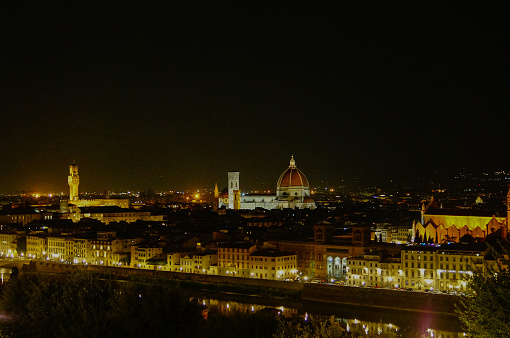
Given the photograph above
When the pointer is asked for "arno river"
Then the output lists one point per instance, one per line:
(375, 322)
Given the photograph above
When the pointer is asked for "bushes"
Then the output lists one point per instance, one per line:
(83, 305)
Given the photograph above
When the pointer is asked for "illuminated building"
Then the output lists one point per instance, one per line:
(233, 258)
(216, 197)
(24, 216)
(73, 180)
(371, 270)
(446, 268)
(326, 256)
(112, 214)
(8, 245)
(141, 253)
(107, 250)
(37, 246)
(234, 190)
(445, 225)
(292, 191)
(60, 248)
(273, 264)
(105, 210)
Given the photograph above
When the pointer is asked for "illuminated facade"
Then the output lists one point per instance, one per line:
(273, 264)
(8, 245)
(74, 181)
(24, 216)
(326, 256)
(418, 268)
(112, 214)
(60, 248)
(36, 247)
(444, 225)
(234, 260)
(141, 253)
(370, 270)
(292, 191)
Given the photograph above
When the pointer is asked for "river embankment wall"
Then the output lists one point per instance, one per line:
(377, 298)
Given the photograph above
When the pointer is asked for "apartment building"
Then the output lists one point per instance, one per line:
(141, 253)
(233, 258)
(37, 247)
(373, 271)
(446, 268)
(273, 264)
(8, 245)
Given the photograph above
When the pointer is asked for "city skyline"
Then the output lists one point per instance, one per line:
(172, 97)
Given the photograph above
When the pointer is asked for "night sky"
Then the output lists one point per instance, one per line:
(172, 97)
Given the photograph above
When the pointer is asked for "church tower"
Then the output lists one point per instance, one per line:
(233, 190)
(216, 199)
(508, 209)
(74, 180)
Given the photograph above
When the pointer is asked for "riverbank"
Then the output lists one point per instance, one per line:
(331, 294)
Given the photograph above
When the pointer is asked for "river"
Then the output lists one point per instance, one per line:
(375, 322)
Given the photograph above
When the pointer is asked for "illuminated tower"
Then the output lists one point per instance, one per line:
(216, 200)
(74, 180)
(507, 210)
(233, 189)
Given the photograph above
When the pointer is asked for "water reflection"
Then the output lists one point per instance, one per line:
(382, 323)
(5, 274)
(226, 307)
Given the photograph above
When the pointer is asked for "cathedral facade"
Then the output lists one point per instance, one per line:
(292, 191)
(439, 225)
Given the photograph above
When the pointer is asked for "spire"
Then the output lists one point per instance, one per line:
(216, 191)
(292, 162)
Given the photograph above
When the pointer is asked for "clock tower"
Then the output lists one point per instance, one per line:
(74, 180)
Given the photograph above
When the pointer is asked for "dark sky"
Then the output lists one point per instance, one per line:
(172, 97)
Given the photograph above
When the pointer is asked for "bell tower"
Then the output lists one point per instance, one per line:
(508, 209)
(74, 180)
(233, 190)
(216, 199)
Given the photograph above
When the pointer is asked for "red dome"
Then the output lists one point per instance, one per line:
(292, 177)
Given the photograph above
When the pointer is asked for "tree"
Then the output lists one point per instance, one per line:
(485, 310)
(83, 305)
(315, 327)
(14, 272)
(417, 236)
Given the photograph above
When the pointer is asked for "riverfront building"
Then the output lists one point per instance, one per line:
(273, 264)
(233, 258)
(445, 268)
